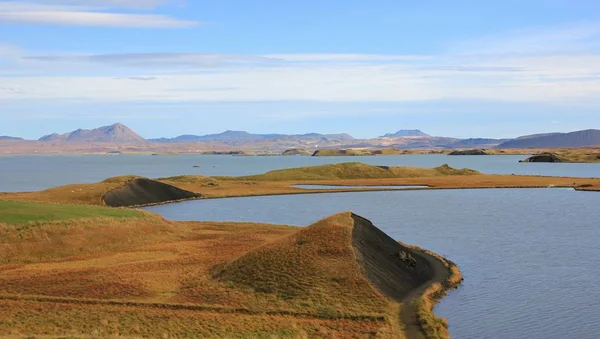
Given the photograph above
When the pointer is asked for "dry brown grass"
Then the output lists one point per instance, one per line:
(232, 188)
(349, 170)
(579, 155)
(150, 277)
(313, 269)
(84, 194)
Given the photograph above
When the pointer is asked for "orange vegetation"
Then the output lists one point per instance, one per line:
(153, 278)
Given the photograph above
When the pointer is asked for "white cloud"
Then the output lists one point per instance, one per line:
(56, 14)
(347, 57)
(158, 60)
(136, 4)
(523, 75)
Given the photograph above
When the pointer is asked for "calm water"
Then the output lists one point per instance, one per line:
(330, 187)
(529, 256)
(29, 173)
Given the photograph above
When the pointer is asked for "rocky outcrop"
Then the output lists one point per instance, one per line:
(469, 152)
(544, 157)
(296, 151)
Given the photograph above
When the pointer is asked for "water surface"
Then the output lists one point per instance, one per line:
(529, 256)
(30, 173)
(335, 187)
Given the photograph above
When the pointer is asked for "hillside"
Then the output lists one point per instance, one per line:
(477, 142)
(585, 138)
(117, 133)
(406, 133)
(345, 263)
(134, 274)
(123, 191)
(7, 138)
(353, 170)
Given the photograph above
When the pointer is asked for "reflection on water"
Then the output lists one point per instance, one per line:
(529, 256)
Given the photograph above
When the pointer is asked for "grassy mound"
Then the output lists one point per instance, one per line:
(343, 262)
(296, 151)
(18, 213)
(353, 170)
(340, 152)
(199, 180)
(142, 191)
(123, 191)
(316, 264)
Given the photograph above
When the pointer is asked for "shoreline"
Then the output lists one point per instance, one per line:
(360, 190)
(419, 312)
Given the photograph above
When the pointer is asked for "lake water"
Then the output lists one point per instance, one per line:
(334, 187)
(529, 256)
(30, 173)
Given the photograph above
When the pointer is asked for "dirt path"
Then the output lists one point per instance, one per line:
(408, 313)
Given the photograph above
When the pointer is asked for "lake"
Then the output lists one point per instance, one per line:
(334, 187)
(31, 173)
(529, 256)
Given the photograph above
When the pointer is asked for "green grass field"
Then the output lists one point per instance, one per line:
(18, 213)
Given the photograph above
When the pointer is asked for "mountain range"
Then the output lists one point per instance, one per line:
(7, 138)
(585, 138)
(243, 136)
(120, 137)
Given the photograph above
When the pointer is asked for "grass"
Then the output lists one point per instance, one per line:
(313, 269)
(152, 278)
(18, 213)
(88, 271)
(351, 170)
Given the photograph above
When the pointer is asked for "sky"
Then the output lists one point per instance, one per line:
(170, 67)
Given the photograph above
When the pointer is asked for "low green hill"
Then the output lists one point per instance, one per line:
(19, 213)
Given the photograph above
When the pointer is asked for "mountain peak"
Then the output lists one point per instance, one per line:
(113, 134)
(406, 133)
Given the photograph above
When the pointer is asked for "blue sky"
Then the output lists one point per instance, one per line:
(164, 68)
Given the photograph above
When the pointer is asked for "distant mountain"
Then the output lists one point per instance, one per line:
(243, 136)
(117, 133)
(590, 137)
(537, 135)
(406, 133)
(477, 143)
(7, 138)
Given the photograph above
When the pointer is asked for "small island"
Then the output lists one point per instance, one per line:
(470, 152)
(561, 156)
